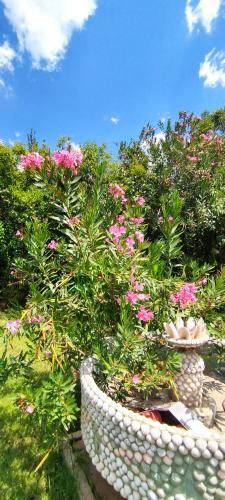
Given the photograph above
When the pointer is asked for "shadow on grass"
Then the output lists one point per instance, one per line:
(20, 454)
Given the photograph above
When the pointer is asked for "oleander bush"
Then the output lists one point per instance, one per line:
(108, 252)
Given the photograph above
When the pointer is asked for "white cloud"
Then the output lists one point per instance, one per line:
(18, 134)
(212, 69)
(204, 13)
(2, 83)
(7, 55)
(44, 27)
(115, 119)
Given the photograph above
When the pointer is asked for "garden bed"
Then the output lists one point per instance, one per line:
(144, 459)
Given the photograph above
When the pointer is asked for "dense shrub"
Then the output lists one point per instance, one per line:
(98, 286)
(20, 201)
(189, 157)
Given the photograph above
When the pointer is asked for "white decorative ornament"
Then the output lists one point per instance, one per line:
(189, 330)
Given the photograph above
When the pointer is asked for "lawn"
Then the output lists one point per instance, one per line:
(20, 450)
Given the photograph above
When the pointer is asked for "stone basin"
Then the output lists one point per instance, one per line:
(144, 459)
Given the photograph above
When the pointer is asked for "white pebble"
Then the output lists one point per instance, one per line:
(177, 440)
(155, 433)
(201, 444)
(135, 425)
(189, 443)
(212, 446)
(195, 452)
(138, 456)
(147, 458)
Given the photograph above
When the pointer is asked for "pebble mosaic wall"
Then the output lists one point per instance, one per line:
(143, 459)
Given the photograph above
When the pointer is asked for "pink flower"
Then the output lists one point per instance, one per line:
(140, 236)
(29, 409)
(13, 326)
(143, 296)
(208, 136)
(32, 160)
(136, 379)
(138, 286)
(131, 297)
(115, 239)
(120, 219)
(144, 315)
(53, 244)
(48, 354)
(170, 218)
(160, 218)
(118, 300)
(137, 220)
(219, 140)
(192, 158)
(19, 233)
(36, 319)
(68, 159)
(130, 243)
(117, 231)
(204, 281)
(140, 200)
(124, 200)
(186, 294)
(116, 190)
(73, 221)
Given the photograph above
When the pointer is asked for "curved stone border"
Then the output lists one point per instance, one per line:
(143, 459)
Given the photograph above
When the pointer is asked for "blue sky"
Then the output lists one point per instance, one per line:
(98, 70)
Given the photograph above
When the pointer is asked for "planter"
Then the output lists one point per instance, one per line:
(144, 459)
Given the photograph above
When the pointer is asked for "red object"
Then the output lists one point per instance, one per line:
(153, 414)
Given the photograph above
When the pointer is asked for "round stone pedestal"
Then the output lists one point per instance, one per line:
(189, 380)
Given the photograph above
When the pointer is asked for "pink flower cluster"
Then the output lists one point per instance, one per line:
(130, 242)
(203, 281)
(133, 297)
(185, 295)
(144, 314)
(117, 232)
(29, 409)
(140, 236)
(140, 200)
(73, 221)
(137, 220)
(135, 379)
(192, 158)
(68, 159)
(53, 245)
(19, 233)
(36, 319)
(208, 136)
(120, 219)
(32, 160)
(138, 287)
(117, 192)
(13, 326)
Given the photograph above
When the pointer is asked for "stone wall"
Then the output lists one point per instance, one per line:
(143, 459)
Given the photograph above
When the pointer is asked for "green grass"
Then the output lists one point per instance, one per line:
(20, 450)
